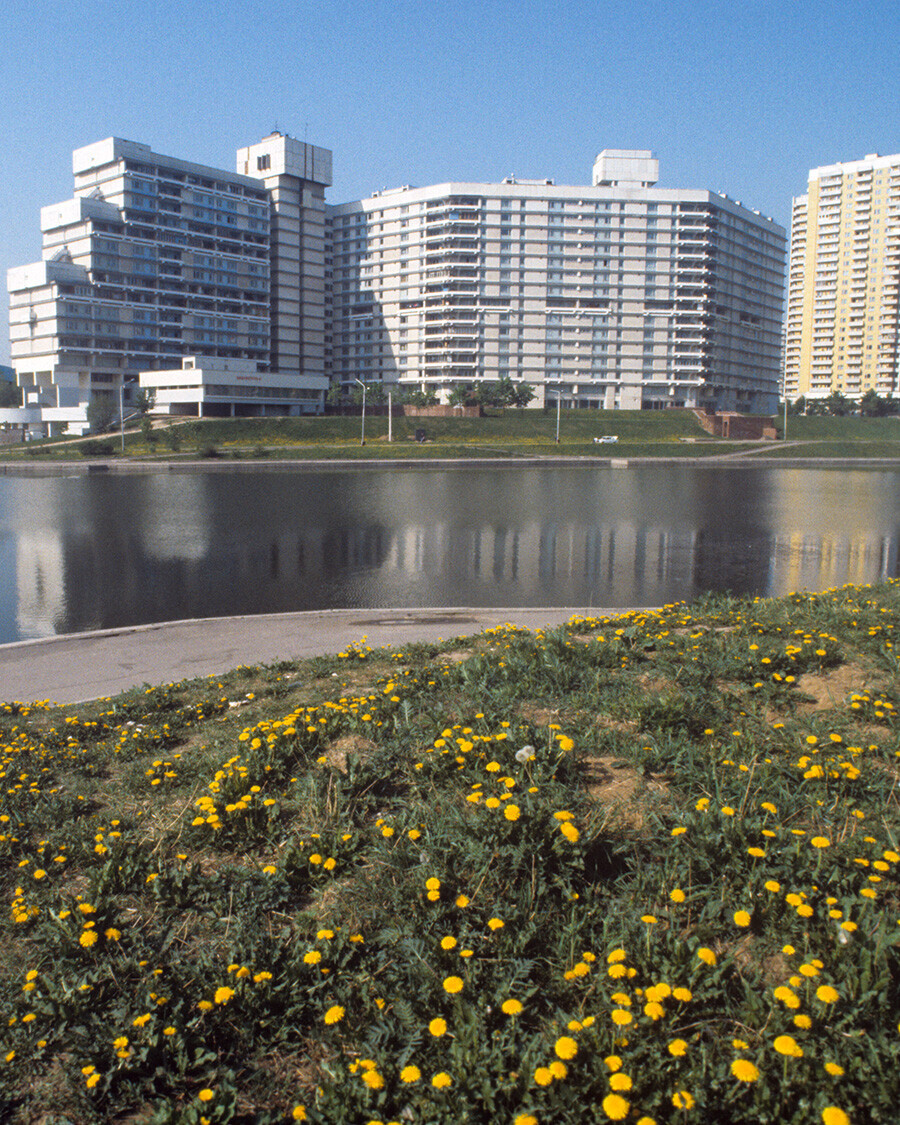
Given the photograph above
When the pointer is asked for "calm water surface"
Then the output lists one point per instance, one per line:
(99, 551)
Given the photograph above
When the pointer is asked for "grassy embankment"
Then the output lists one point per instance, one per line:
(502, 434)
(640, 869)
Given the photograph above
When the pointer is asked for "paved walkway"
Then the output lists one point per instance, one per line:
(81, 666)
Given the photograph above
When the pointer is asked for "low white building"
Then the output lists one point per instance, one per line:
(208, 387)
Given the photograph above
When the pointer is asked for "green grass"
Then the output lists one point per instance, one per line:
(829, 429)
(511, 433)
(642, 868)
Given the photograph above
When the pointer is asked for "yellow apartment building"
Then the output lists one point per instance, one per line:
(843, 282)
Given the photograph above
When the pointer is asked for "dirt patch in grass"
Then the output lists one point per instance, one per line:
(336, 752)
(458, 657)
(831, 689)
(620, 788)
(624, 726)
(538, 715)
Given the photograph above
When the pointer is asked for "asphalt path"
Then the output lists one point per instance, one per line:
(82, 666)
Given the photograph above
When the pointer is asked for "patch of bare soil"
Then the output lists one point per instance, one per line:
(625, 726)
(538, 715)
(457, 657)
(336, 752)
(655, 685)
(832, 688)
(773, 968)
(620, 787)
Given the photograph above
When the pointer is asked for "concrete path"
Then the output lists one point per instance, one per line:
(82, 666)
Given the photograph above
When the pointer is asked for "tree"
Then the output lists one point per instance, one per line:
(102, 413)
(872, 406)
(461, 395)
(374, 392)
(144, 401)
(522, 395)
(10, 394)
(798, 406)
(416, 397)
(837, 405)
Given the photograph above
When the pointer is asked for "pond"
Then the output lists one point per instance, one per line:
(94, 550)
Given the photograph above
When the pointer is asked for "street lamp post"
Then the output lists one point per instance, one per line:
(362, 440)
(122, 411)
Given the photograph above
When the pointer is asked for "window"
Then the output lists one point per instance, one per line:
(263, 163)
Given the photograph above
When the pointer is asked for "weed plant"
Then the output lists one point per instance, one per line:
(641, 868)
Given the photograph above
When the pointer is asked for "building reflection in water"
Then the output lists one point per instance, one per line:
(104, 551)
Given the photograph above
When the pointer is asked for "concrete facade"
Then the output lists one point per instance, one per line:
(617, 295)
(841, 332)
(154, 258)
(209, 387)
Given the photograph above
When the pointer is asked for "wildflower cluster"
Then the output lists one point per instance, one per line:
(644, 867)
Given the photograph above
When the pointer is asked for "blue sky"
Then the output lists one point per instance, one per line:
(743, 97)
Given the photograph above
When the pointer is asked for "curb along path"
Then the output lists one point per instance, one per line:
(81, 666)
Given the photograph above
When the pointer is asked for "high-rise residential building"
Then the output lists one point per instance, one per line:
(159, 265)
(844, 282)
(614, 295)
(244, 292)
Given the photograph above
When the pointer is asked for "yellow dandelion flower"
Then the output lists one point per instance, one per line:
(565, 1047)
(787, 1045)
(706, 955)
(438, 1027)
(616, 1107)
(511, 1007)
(741, 918)
(677, 1048)
(410, 1074)
(543, 1076)
(206, 1095)
(334, 1014)
(453, 985)
(833, 1115)
(744, 1070)
(827, 994)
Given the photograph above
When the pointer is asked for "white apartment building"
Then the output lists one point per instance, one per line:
(618, 295)
(155, 259)
(844, 282)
